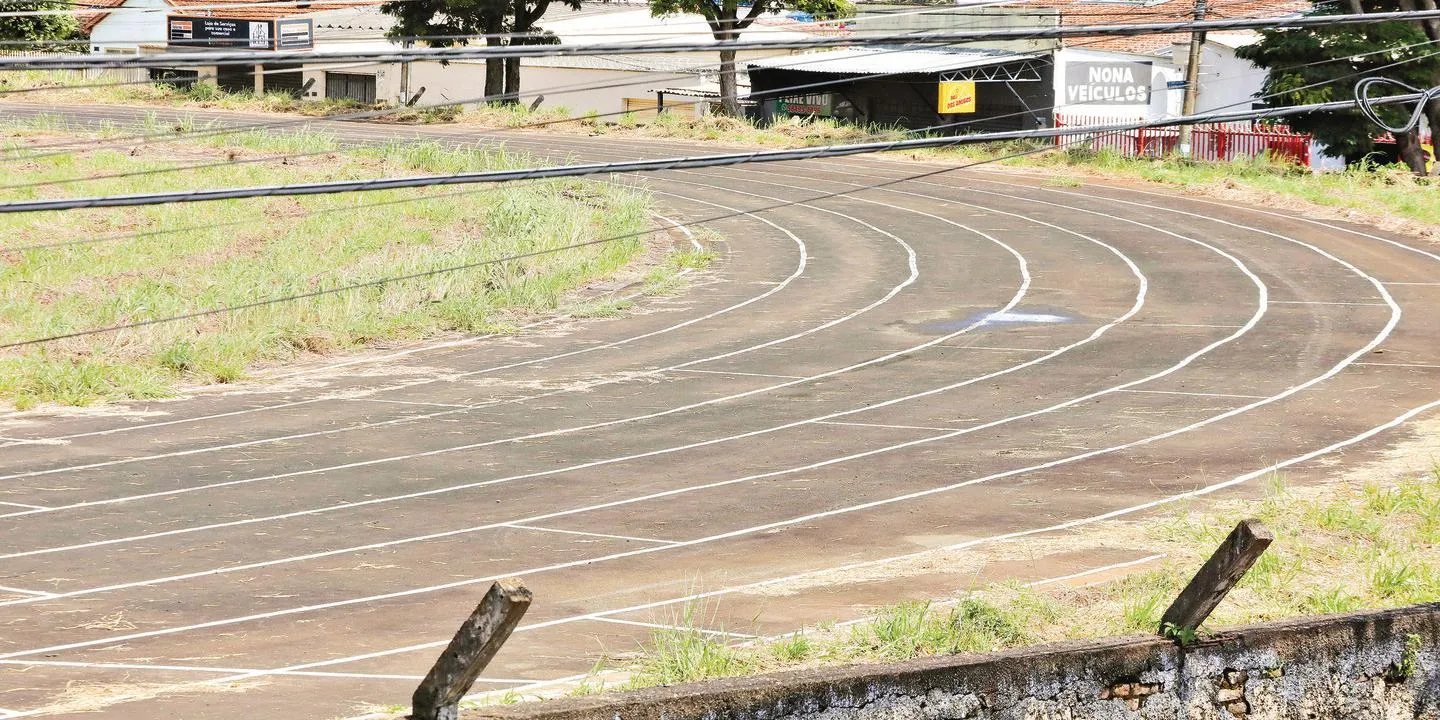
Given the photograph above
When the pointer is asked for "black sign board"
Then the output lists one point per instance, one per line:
(1108, 83)
(210, 32)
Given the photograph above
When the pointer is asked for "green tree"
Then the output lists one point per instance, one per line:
(39, 28)
(1323, 65)
(452, 22)
(726, 23)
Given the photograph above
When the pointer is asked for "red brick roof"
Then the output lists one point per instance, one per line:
(243, 10)
(1090, 12)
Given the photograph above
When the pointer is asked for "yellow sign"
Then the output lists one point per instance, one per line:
(957, 97)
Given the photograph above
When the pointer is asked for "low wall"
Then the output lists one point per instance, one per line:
(1381, 665)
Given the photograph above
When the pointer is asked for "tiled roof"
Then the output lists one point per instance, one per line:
(241, 10)
(90, 20)
(1090, 12)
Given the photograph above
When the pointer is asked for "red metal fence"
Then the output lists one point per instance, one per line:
(1213, 141)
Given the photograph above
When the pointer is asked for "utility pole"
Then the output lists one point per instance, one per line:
(405, 75)
(1192, 79)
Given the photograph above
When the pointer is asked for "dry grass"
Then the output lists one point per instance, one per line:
(163, 261)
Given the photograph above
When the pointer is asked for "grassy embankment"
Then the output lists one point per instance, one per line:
(1385, 196)
(128, 265)
(1339, 547)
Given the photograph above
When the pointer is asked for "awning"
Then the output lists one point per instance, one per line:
(890, 61)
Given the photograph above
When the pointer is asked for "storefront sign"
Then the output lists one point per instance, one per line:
(212, 32)
(818, 104)
(1107, 83)
(957, 97)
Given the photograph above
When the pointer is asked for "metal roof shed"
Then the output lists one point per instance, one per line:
(903, 85)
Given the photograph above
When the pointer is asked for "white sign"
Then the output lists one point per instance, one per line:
(1108, 83)
(260, 35)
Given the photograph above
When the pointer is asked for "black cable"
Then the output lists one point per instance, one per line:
(468, 266)
(172, 60)
(691, 162)
(1365, 101)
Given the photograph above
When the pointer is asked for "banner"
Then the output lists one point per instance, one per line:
(1108, 83)
(957, 97)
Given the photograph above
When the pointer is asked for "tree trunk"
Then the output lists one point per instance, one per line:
(729, 90)
(512, 81)
(494, 74)
(1410, 152)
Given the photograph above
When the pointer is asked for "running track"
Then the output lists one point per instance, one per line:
(941, 362)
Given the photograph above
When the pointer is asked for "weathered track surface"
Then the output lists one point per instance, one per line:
(825, 396)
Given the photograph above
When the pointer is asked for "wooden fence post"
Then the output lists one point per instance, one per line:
(1241, 548)
(438, 697)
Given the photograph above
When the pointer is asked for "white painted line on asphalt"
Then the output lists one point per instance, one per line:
(1096, 571)
(1068, 525)
(799, 271)
(676, 628)
(537, 528)
(1320, 302)
(19, 591)
(878, 425)
(997, 349)
(22, 505)
(1184, 325)
(1201, 394)
(746, 374)
(216, 670)
(1427, 284)
(1413, 365)
(776, 287)
(412, 402)
(914, 274)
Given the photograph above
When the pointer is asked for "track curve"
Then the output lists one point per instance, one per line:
(869, 373)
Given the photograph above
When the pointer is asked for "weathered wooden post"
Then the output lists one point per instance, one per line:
(1216, 577)
(438, 697)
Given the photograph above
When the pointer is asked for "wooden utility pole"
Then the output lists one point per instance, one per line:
(1241, 548)
(1192, 79)
(438, 697)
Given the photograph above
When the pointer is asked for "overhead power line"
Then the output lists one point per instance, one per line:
(203, 59)
(692, 162)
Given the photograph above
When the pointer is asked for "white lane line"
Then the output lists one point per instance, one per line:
(22, 505)
(798, 272)
(411, 402)
(1201, 394)
(1015, 299)
(878, 425)
(676, 628)
(749, 587)
(1381, 364)
(8, 441)
(19, 591)
(746, 374)
(519, 526)
(1295, 389)
(1321, 302)
(1259, 313)
(1427, 284)
(997, 349)
(1184, 325)
(914, 274)
(409, 384)
(215, 670)
(1097, 570)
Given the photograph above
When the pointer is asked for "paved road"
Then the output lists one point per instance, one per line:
(825, 397)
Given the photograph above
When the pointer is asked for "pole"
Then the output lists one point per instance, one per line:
(405, 76)
(1192, 79)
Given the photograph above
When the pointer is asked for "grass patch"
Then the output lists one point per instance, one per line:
(1339, 548)
(174, 259)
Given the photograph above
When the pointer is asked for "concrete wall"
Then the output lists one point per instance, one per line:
(130, 29)
(1374, 666)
